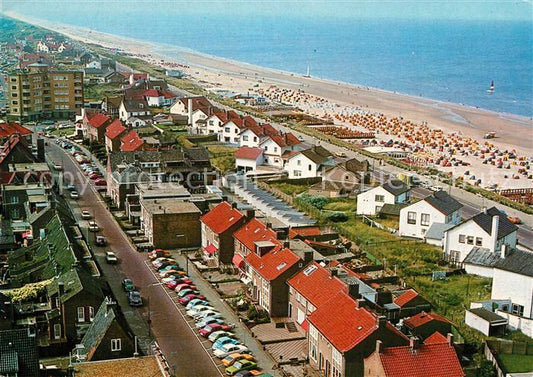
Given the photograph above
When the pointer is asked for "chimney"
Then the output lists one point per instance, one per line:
(414, 343)
(286, 244)
(109, 305)
(61, 288)
(308, 257)
(234, 205)
(360, 303)
(189, 110)
(333, 272)
(379, 346)
(250, 214)
(503, 251)
(494, 231)
(382, 321)
(485, 210)
(450, 339)
(269, 225)
(353, 290)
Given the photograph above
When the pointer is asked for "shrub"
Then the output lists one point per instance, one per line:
(337, 217)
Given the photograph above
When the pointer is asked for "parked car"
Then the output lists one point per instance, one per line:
(208, 321)
(207, 314)
(100, 182)
(224, 340)
(127, 284)
(111, 257)
(158, 263)
(228, 349)
(196, 302)
(94, 176)
(198, 309)
(185, 300)
(158, 253)
(209, 329)
(230, 359)
(134, 298)
(58, 167)
(182, 286)
(239, 366)
(186, 292)
(173, 277)
(71, 187)
(436, 188)
(74, 195)
(173, 272)
(514, 219)
(100, 241)
(93, 226)
(218, 334)
(167, 267)
(85, 215)
(175, 283)
(252, 373)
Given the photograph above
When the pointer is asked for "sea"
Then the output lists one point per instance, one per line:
(446, 60)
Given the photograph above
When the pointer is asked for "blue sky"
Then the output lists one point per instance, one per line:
(451, 9)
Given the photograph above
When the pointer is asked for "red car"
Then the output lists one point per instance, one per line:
(94, 176)
(207, 330)
(185, 300)
(173, 284)
(158, 253)
(100, 182)
(181, 286)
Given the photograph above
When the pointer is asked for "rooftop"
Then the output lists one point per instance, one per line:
(484, 220)
(272, 264)
(443, 202)
(255, 231)
(421, 319)
(221, 217)
(396, 187)
(132, 367)
(248, 153)
(154, 190)
(169, 206)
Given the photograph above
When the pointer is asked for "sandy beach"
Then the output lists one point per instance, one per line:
(462, 126)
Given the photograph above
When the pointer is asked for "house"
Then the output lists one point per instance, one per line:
(411, 303)
(133, 108)
(131, 142)
(106, 338)
(171, 223)
(196, 109)
(393, 192)
(18, 353)
(140, 121)
(269, 273)
(16, 150)
(423, 324)
(279, 147)
(122, 181)
(438, 208)
(255, 237)
(111, 105)
(159, 98)
(94, 126)
(309, 162)
(489, 229)
(113, 134)
(9, 129)
(435, 233)
(348, 175)
(342, 334)
(248, 159)
(436, 357)
(131, 367)
(218, 226)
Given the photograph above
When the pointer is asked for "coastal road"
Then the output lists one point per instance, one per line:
(179, 344)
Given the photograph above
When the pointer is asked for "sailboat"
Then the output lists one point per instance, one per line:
(491, 88)
(308, 74)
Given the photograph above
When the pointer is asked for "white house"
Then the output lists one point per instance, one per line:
(42, 47)
(248, 159)
(308, 163)
(158, 98)
(214, 123)
(230, 131)
(394, 192)
(489, 229)
(197, 110)
(132, 108)
(95, 64)
(417, 218)
(250, 137)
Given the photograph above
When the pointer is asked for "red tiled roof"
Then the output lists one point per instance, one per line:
(248, 121)
(405, 297)
(248, 153)
(255, 231)
(343, 323)
(318, 286)
(168, 94)
(198, 103)
(131, 142)
(221, 218)
(308, 231)
(435, 360)
(97, 120)
(151, 93)
(114, 129)
(222, 116)
(8, 129)
(269, 130)
(279, 140)
(272, 264)
(423, 318)
(436, 338)
(290, 139)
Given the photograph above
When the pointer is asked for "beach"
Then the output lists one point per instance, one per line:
(441, 128)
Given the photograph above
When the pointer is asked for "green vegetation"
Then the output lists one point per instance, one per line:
(97, 92)
(222, 157)
(515, 363)
(290, 188)
(28, 292)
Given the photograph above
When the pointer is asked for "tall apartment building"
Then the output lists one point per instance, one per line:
(39, 92)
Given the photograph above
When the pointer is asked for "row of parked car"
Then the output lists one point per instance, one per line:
(236, 357)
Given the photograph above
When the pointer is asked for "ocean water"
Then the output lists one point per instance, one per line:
(446, 60)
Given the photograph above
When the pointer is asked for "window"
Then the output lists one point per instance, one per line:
(470, 240)
(411, 217)
(91, 313)
(462, 238)
(297, 173)
(275, 149)
(299, 162)
(116, 344)
(518, 310)
(227, 129)
(14, 200)
(244, 137)
(81, 314)
(479, 241)
(309, 167)
(379, 198)
(57, 331)
(424, 219)
(312, 352)
(15, 214)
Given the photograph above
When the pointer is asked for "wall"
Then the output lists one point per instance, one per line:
(451, 239)
(478, 270)
(477, 323)
(418, 230)
(366, 204)
(167, 227)
(515, 287)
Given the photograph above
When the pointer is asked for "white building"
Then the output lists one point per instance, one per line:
(197, 110)
(248, 159)
(394, 192)
(250, 137)
(439, 208)
(308, 163)
(489, 229)
(130, 108)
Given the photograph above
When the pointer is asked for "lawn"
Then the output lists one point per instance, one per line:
(290, 188)
(516, 363)
(98, 91)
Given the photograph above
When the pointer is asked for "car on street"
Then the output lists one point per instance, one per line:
(239, 366)
(182, 286)
(158, 253)
(207, 314)
(167, 267)
(159, 262)
(436, 188)
(218, 334)
(228, 349)
(174, 283)
(196, 302)
(100, 241)
(208, 321)
(127, 284)
(252, 373)
(173, 277)
(209, 329)
(71, 187)
(173, 273)
(198, 309)
(111, 257)
(185, 300)
(134, 298)
(186, 292)
(93, 226)
(94, 176)
(85, 215)
(224, 340)
(514, 219)
(230, 359)
(74, 195)
(100, 182)
(58, 167)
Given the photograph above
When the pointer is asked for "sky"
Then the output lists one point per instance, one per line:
(521, 10)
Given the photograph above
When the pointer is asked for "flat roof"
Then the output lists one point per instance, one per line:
(132, 367)
(169, 206)
(162, 190)
(35, 166)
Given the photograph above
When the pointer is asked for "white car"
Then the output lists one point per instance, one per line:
(436, 188)
(85, 215)
(74, 195)
(205, 314)
(219, 334)
(198, 309)
(228, 349)
(93, 226)
(111, 257)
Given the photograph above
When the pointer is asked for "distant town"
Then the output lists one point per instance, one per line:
(152, 227)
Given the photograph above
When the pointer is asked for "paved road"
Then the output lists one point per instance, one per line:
(178, 343)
